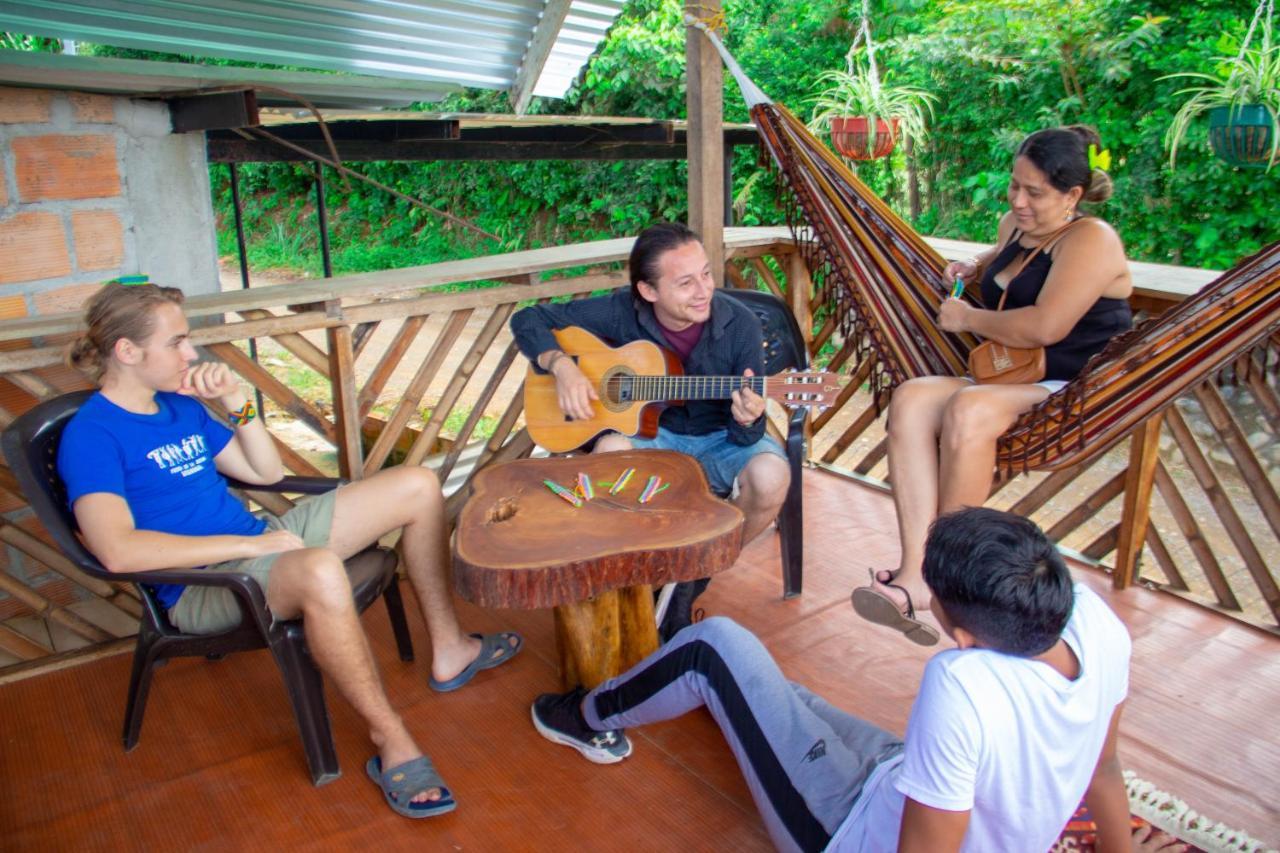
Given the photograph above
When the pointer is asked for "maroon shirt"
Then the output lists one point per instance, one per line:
(683, 342)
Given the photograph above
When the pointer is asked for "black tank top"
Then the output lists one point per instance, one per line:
(1064, 360)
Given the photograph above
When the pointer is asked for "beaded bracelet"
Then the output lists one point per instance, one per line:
(242, 416)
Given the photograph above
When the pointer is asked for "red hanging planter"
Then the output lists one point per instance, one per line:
(850, 135)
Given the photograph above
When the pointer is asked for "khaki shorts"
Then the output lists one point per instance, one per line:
(210, 609)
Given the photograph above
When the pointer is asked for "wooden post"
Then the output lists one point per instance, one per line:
(346, 405)
(799, 286)
(705, 100)
(1144, 453)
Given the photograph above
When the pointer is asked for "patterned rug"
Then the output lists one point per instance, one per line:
(1153, 807)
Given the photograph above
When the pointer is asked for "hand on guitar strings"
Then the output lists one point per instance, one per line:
(574, 390)
(747, 405)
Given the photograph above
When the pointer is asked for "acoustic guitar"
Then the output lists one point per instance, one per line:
(636, 381)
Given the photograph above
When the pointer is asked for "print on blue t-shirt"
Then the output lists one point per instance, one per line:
(161, 464)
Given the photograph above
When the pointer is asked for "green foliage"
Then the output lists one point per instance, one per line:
(1249, 77)
(1000, 69)
(32, 44)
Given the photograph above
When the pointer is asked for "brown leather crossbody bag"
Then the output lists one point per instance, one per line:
(994, 363)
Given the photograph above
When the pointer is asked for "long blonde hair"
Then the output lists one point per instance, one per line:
(114, 312)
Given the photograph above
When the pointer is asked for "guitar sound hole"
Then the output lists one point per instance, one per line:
(617, 392)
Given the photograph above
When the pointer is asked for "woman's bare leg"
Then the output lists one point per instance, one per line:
(914, 424)
(960, 465)
(976, 418)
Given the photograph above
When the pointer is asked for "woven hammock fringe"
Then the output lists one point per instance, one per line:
(1167, 812)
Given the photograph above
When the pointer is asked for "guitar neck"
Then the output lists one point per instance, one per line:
(655, 388)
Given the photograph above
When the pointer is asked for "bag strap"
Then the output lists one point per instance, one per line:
(1046, 243)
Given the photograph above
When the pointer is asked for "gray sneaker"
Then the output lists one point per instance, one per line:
(558, 718)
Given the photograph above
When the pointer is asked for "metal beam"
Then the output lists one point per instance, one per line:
(213, 112)
(535, 58)
(426, 141)
(262, 151)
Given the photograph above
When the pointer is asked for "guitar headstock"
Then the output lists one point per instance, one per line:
(813, 389)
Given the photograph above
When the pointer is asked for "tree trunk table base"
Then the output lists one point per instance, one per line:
(605, 635)
(520, 545)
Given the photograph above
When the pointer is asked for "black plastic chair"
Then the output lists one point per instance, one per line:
(31, 448)
(784, 349)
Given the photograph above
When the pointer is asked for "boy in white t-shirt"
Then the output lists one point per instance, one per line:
(1008, 732)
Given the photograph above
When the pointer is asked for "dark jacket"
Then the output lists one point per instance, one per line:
(731, 343)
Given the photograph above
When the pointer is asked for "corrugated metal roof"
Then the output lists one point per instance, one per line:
(139, 78)
(481, 43)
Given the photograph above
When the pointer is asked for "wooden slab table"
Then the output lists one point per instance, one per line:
(519, 545)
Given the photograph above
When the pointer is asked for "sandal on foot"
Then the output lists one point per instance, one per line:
(495, 650)
(874, 606)
(405, 781)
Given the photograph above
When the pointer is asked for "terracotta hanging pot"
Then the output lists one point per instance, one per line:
(850, 135)
(1241, 135)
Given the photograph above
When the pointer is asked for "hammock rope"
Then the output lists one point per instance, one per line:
(888, 286)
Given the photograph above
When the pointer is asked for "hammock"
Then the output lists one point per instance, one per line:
(888, 285)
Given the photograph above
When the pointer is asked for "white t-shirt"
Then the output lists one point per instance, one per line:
(1006, 738)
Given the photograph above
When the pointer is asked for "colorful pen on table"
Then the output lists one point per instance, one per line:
(957, 289)
(621, 483)
(563, 493)
(585, 490)
(650, 489)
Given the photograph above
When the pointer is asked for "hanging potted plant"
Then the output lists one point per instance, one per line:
(867, 114)
(1242, 100)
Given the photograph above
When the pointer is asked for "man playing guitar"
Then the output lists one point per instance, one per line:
(673, 302)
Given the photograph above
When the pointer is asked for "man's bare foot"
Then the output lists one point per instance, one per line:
(448, 662)
(396, 750)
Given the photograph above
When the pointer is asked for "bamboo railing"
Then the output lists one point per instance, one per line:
(331, 351)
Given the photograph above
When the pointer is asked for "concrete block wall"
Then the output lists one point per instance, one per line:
(92, 187)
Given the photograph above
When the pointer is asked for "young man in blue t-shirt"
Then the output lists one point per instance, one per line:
(143, 462)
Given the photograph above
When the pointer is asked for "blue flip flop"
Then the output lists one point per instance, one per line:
(405, 781)
(495, 650)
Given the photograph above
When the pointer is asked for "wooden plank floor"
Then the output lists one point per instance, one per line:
(219, 766)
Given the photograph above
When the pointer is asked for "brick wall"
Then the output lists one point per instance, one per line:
(92, 187)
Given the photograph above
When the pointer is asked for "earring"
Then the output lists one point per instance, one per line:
(1070, 213)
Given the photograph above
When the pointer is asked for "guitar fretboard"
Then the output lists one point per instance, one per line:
(628, 389)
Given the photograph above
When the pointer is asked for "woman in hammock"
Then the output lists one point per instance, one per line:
(1070, 298)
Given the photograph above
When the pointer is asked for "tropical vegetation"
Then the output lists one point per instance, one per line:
(998, 70)
(1246, 83)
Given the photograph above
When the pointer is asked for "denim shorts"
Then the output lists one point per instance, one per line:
(210, 609)
(720, 458)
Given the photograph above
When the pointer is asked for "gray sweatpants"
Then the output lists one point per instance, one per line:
(804, 760)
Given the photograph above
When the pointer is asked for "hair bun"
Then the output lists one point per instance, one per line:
(83, 355)
(1099, 189)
